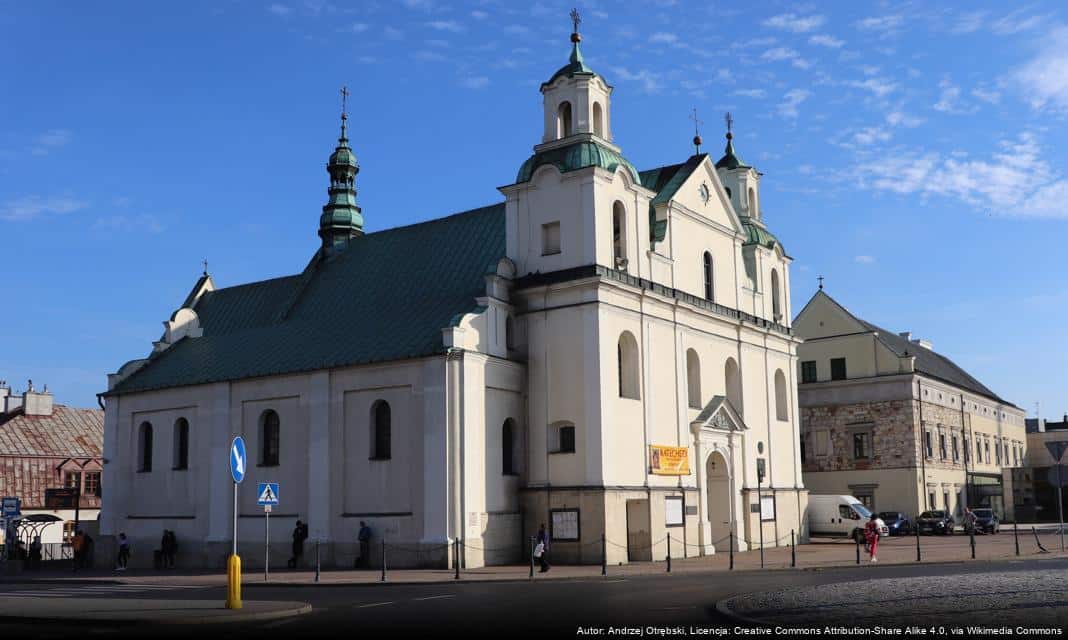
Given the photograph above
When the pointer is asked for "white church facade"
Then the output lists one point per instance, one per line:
(606, 351)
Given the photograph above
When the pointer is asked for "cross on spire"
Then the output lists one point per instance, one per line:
(344, 115)
(730, 124)
(576, 20)
(696, 131)
(821, 282)
(205, 266)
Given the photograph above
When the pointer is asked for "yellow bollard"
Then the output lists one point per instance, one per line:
(233, 582)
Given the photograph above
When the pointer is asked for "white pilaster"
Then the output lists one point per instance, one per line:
(223, 426)
(318, 400)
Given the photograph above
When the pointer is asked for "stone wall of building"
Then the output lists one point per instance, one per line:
(893, 435)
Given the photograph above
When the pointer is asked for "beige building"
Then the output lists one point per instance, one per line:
(889, 420)
(606, 351)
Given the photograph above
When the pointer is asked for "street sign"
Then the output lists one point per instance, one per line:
(1057, 448)
(268, 493)
(1058, 480)
(12, 507)
(62, 498)
(266, 508)
(238, 459)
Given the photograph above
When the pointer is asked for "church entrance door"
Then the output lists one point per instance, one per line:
(639, 535)
(718, 496)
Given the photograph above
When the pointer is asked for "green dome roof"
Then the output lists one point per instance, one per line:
(343, 155)
(756, 234)
(730, 159)
(578, 155)
(574, 66)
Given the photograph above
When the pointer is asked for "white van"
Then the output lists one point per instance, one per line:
(838, 516)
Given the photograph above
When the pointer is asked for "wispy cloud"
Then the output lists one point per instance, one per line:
(649, 81)
(901, 119)
(144, 222)
(881, 87)
(1044, 79)
(968, 22)
(663, 38)
(864, 259)
(475, 82)
(30, 207)
(795, 23)
(1016, 22)
(779, 54)
(421, 5)
(392, 33)
(479, 15)
(50, 141)
(428, 56)
(280, 9)
(1015, 181)
(792, 99)
(949, 100)
(886, 25)
(356, 27)
(987, 95)
(824, 40)
(446, 25)
(749, 93)
(871, 135)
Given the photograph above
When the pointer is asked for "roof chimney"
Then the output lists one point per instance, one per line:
(926, 344)
(906, 335)
(36, 403)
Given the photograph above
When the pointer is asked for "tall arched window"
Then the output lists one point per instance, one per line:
(381, 428)
(733, 378)
(752, 202)
(563, 119)
(709, 289)
(598, 120)
(628, 366)
(270, 439)
(181, 444)
(509, 448)
(144, 447)
(693, 378)
(776, 306)
(619, 235)
(782, 411)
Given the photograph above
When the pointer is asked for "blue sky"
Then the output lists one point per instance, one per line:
(914, 153)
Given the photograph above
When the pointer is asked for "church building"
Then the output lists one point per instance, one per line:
(606, 351)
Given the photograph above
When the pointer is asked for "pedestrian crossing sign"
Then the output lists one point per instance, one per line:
(268, 493)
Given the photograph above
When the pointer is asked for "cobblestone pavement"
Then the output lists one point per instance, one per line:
(1037, 598)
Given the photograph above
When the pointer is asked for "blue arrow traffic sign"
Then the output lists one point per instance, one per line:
(238, 459)
(268, 493)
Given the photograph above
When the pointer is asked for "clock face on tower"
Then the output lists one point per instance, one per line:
(705, 193)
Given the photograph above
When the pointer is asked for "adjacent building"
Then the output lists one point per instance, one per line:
(50, 458)
(1034, 487)
(605, 350)
(888, 419)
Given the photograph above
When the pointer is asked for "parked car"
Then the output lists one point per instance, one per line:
(986, 521)
(897, 523)
(933, 522)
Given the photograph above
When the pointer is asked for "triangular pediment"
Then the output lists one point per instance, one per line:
(719, 415)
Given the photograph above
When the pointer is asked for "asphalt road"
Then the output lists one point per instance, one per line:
(543, 608)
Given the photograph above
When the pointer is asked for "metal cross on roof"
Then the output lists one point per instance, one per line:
(576, 20)
(205, 266)
(730, 121)
(821, 282)
(344, 101)
(696, 131)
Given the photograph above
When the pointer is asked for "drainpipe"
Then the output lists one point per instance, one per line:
(923, 443)
(967, 455)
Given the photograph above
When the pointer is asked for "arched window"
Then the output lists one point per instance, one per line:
(693, 378)
(733, 378)
(619, 235)
(709, 289)
(753, 202)
(270, 438)
(181, 444)
(144, 447)
(782, 411)
(381, 427)
(628, 366)
(509, 448)
(563, 120)
(776, 306)
(598, 120)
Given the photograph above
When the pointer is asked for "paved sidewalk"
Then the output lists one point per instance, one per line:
(152, 611)
(819, 554)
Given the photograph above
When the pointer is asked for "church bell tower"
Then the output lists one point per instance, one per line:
(342, 219)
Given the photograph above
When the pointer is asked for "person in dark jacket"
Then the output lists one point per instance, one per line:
(168, 548)
(543, 541)
(364, 537)
(300, 534)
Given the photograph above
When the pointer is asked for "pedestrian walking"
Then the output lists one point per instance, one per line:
(871, 534)
(541, 549)
(168, 548)
(124, 553)
(78, 546)
(35, 553)
(300, 534)
(364, 537)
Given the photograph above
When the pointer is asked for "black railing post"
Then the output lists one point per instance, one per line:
(383, 560)
(1037, 541)
(1016, 537)
(918, 558)
(456, 557)
(669, 553)
(604, 556)
(793, 549)
(317, 566)
(971, 541)
(857, 541)
(731, 536)
(532, 557)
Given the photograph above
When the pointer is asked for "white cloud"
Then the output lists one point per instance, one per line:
(357, 27)
(791, 100)
(987, 95)
(422, 5)
(663, 38)
(900, 118)
(779, 53)
(49, 141)
(1015, 181)
(886, 24)
(279, 9)
(969, 22)
(1044, 79)
(29, 207)
(475, 82)
(144, 222)
(392, 33)
(428, 56)
(949, 101)
(824, 40)
(881, 87)
(1014, 22)
(871, 135)
(864, 259)
(517, 29)
(446, 25)
(749, 93)
(479, 15)
(795, 23)
(649, 81)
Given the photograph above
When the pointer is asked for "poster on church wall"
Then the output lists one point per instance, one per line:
(669, 461)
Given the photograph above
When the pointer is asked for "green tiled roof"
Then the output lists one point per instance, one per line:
(386, 297)
(730, 159)
(579, 155)
(756, 234)
(575, 65)
(665, 181)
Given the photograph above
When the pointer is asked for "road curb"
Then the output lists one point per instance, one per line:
(192, 619)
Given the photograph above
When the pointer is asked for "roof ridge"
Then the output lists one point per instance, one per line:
(433, 220)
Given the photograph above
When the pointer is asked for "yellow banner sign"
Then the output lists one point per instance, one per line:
(669, 461)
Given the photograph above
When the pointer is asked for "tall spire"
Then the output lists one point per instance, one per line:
(342, 219)
(696, 132)
(730, 159)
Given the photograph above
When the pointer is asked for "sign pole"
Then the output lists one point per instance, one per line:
(267, 543)
(233, 564)
(1060, 506)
